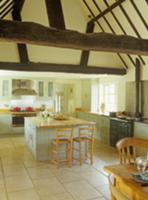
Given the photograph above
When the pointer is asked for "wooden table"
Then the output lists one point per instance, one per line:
(125, 183)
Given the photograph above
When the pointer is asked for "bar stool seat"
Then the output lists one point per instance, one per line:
(85, 136)
(64, 136)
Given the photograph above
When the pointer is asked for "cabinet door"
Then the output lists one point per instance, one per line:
(50, 89)
(41, 88)
(114, 131)
(5, 88)
(5, 124)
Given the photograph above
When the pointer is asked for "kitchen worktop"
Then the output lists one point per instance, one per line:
(40, 122)
(40, 132)
(8, 111)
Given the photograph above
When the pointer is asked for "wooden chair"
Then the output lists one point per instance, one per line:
(64, 136)
(129, 148)
(85, 136)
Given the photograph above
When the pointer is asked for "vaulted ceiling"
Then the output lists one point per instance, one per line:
(120, 17)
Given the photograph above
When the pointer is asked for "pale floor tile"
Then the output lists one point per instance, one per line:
(26, 179)
(104, 190)
(49, 186)
(38, 173)
(81, 190)
(24, 195)
(15, 183)
(3, 195)
(63, 196)
(30, 163)
(14, 170)
(18, 141)
(68, 176)
(95, 178)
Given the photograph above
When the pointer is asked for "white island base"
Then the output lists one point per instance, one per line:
(40, 132)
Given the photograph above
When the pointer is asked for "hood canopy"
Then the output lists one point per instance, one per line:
(23, 91)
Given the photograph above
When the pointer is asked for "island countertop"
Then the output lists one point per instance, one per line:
(40, 122)
(39, 133)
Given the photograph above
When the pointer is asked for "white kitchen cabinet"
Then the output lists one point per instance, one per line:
(5, 91)
(5, 124)
(50, 89)
(41, 88)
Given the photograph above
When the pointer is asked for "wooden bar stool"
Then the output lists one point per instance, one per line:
(86, 137)
(64, 136)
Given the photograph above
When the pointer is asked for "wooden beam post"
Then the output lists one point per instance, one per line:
(137, 80)
(18, 5)
(85, 54)
(22, 49)
(55, 14)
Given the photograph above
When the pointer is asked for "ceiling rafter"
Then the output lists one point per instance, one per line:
(139, 13)
(107, 10)
(101, 27)
(6, 7)
(121, 27)
(110, 27)
(132, 25)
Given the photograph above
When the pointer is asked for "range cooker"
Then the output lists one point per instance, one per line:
(18, 118)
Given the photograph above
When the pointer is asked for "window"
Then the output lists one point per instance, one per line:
(108, 98)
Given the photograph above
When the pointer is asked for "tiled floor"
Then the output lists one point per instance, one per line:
(22, 178)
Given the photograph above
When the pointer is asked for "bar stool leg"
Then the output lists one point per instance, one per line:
(70, 154)
(85, 150)
(51, 156)
(67, 148)
(91, 152)
(80, 153)
(57, 154)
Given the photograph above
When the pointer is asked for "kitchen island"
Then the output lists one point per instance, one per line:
(39, 132)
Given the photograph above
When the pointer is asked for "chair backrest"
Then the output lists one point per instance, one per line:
(64, 133)
(87, 131)
(129, 148)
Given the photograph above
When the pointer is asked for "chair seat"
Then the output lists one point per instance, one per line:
(81, 139)
(61, 140)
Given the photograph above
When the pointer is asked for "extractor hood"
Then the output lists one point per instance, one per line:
(22, 87)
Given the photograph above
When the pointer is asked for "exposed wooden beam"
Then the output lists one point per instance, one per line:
(92, 15)
(101, 27)
(64, 68)
(107, 10)
(132, 25)
(22, 49)
(5, 8)
(19, 5)
(4, 4)
(121, 27)
(33, 33)
(139, 14)
(55, 14)
(85, 54)
(110, 27)
(137, 80)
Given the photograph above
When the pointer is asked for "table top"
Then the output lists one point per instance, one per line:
(124, 173)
